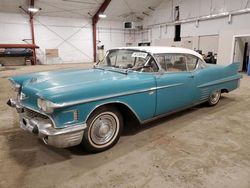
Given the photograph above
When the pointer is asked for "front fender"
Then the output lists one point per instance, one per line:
(141, 104)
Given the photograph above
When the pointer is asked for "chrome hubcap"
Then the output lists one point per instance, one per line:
(103, 128)
(215, 97)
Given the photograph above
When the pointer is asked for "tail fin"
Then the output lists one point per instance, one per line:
(234, 67)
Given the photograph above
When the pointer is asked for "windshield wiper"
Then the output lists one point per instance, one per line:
(119, 71)
(96, 67)
(113, 70)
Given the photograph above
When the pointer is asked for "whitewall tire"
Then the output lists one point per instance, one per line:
(214, 98)
(103, 131)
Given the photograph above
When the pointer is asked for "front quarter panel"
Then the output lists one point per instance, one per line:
(138, 95)
(136, 103)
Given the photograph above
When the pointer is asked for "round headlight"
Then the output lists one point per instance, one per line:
(39, 103)
(16, 87)
(45, 106)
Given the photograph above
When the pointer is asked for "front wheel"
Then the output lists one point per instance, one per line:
(103, 130)
(214, 98)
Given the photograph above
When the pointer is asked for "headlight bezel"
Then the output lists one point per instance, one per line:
(15, 86)
(45, 105)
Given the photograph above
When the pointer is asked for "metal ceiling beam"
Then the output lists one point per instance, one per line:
(32, 4)
(95, 19)
(32, 46)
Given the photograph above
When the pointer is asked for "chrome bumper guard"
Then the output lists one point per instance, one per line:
(43, 128)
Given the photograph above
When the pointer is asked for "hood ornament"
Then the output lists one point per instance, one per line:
(33, 80)
(37, 80)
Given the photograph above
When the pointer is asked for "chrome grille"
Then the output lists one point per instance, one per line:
(32, 114)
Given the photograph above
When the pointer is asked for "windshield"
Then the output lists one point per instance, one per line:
(129, 60)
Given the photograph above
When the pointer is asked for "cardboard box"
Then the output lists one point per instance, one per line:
(51, 53)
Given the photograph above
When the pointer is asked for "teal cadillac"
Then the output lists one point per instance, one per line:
(88, 107)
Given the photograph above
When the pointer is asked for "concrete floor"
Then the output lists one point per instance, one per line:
(199, 147)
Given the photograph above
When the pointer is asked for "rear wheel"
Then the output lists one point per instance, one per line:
(103, 130)
(214, 98)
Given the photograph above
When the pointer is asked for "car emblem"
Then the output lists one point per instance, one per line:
(151, 92)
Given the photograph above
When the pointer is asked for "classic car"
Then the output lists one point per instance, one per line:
(88, 107)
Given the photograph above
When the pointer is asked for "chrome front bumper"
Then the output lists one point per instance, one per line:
(43, 128)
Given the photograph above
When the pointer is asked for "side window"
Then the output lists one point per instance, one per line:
(152, 64)
(172, 62)
(191, 62)
(161, 60)
(175, 63)
(112, 58)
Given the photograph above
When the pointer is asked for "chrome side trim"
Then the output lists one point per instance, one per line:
(56, 105)
(172, 112)
(220, 81)
(168, 86)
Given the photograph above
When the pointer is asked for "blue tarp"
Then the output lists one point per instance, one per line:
(248, 67)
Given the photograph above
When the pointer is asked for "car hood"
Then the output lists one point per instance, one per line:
(72, 85)
(58, 81)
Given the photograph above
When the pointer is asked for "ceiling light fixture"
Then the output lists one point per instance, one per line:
(33, 9)
(102, 15)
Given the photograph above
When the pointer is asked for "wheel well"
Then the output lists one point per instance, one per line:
(126, 112)
(224, 91)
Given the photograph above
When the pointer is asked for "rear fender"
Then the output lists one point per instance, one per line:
(233, 68)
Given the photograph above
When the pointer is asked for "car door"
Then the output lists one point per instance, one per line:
(176, 86)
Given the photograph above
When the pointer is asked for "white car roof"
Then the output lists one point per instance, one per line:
(162, 50)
